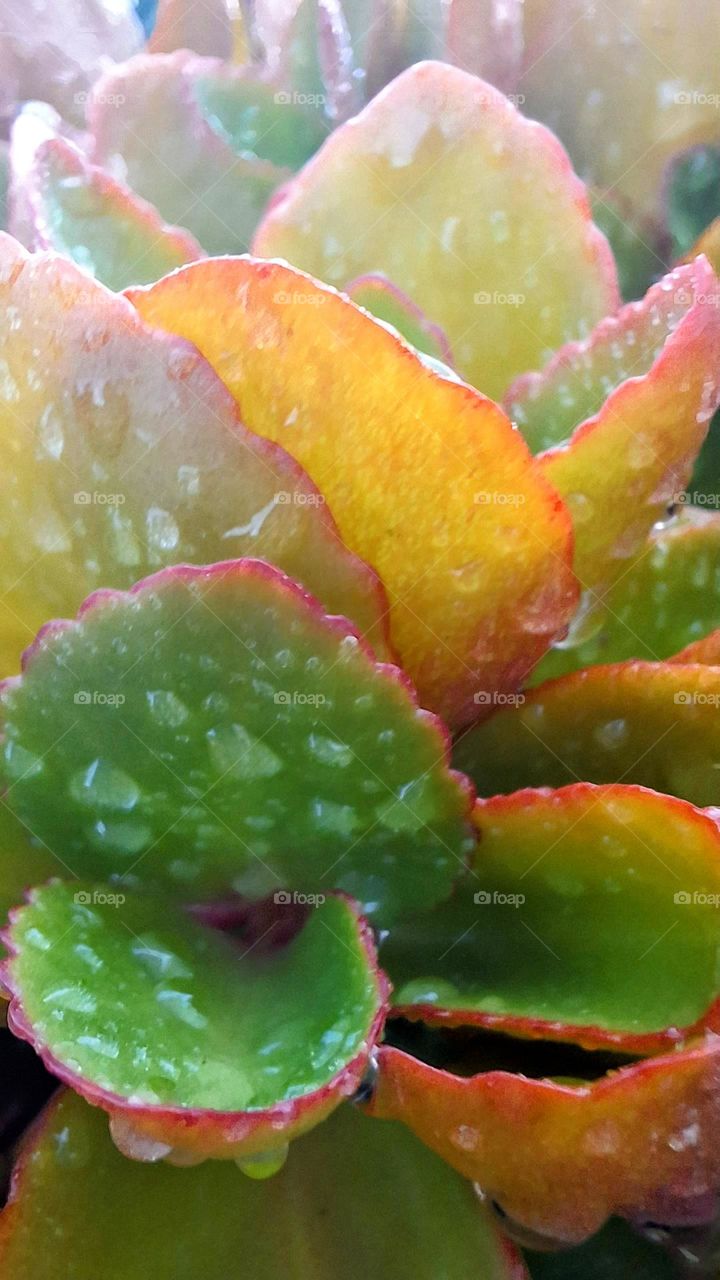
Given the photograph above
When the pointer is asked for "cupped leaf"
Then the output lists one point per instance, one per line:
(652, 723)
(706, 650)
(122, 452)
(388, 303)
(427, 480)
(561, 1158)
(472, 211)
(207, 144)
(590, 916)
(643, 409)
(672, 320)
(667, 598)
(61, 201)
(346, 1204)
(192, 1043)
(627, 91)
(213, 730)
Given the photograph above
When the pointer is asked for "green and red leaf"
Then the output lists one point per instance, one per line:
(60, 201)
(359, 1184)
(622, 416)
(656, 724)
(205, 143)
(590, 916)
(213, 731)
(196, 1046)
(560, 1158)
(471, 210)
(667, 598)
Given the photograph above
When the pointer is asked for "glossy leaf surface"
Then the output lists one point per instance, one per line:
(656, 724)
(212, 730)
(189, 1040)
(122, 452)
(425, 477)
(346, 1204)
(206, 144)
(590, 916)
(559, 1157)
(471, 210)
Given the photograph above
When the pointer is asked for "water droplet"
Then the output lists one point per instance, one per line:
(162, 531)
(329, 751)
(72, 998)
(611, 735)
(121, 837)
(103, 786)
(135, 1145)
(265, 1164)
(158, 960)
(99, 1044)
(235, 751)
(20, 763)
(166, 708)
(180, 1005)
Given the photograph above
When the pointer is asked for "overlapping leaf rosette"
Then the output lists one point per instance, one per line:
(318, 592)
(197, 119)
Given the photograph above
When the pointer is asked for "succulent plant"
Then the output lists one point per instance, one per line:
(361, 642)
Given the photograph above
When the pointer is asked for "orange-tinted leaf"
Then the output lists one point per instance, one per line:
(561, 1158)
(666, 598)
(425, 477)
(472, 211)
(706, 650)
(651, 723)
(625, 414)
(589, 916)
(122, 452)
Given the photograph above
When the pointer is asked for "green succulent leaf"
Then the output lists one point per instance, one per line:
(651, 723)
(206, 143)
(357, 1198)
(212, 730)
(63, 202)
(666, 598)
(190, 1039)
(589, 916)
